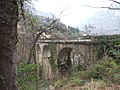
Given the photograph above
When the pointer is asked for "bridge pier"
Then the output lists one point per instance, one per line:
(43, 54)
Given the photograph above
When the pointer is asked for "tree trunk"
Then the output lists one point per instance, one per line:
(8, 40)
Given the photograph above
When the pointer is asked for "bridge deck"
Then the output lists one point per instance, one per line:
(87, 41)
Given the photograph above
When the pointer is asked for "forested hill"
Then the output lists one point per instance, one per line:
(61, 31)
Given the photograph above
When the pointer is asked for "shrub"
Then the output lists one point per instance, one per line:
(81, 67)
(95, 72)
(106, 70)
(116, 78)
(26, 76)
(77, 81)
(60, 82)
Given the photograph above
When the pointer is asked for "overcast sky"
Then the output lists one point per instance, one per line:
(74, 12)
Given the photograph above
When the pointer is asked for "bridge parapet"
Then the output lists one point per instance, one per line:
(84, 41)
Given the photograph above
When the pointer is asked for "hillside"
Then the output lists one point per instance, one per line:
(61, 31)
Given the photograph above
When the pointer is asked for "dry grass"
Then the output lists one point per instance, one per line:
(99, 85)
(93, 85)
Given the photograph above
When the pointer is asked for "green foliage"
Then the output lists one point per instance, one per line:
(81, 67)
(53, 57)
(1, 79)
(26, 76)
(43, 85)
(106, 70)
(74, 68)
(61, 82)
(2, 82)
(109, 44)
(74, 79)
(77, 81)
(95, 72)
(114, 52)
(100, 52)
(116, 78)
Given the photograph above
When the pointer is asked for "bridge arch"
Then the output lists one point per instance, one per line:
(38, 48)
(46, 52)
(47, 70)
(64, 61)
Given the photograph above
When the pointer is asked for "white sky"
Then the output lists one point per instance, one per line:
(72, 9)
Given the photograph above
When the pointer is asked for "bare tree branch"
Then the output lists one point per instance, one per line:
(102, 7)
(41, 30)
(114, 8)
(93, 6)
(115, 1)
(22, 9)
(111, 8)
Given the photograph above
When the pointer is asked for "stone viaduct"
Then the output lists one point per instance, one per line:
(66, 53)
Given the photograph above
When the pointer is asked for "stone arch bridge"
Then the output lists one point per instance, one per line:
(66, 53)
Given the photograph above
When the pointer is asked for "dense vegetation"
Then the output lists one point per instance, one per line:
(104, 72)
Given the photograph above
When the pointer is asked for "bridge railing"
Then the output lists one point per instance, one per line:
(65, 41)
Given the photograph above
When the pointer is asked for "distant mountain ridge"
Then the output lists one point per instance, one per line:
(42, 13)
(105, 21)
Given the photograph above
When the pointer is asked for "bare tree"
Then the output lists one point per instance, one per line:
(41, 30)
(88, 29)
